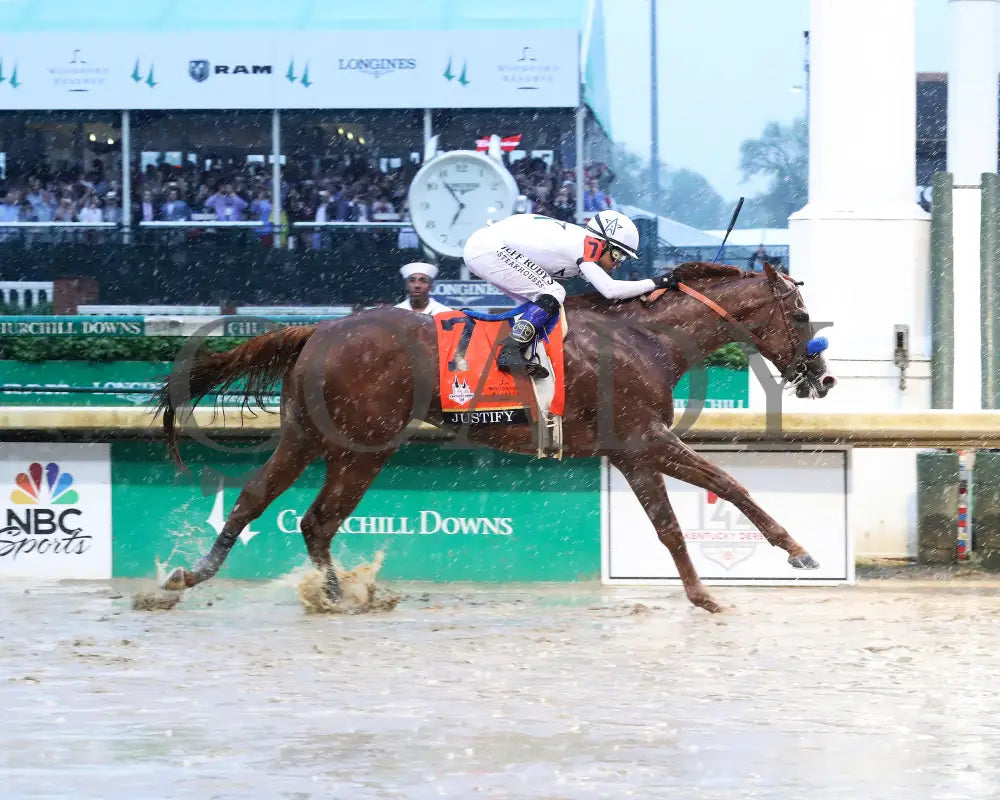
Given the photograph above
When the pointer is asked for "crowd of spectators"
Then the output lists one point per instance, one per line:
(345, 190)
(63, 195)
(552, 191)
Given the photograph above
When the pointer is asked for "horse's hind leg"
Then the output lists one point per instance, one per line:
(289, 459)
(648, 486)
(676, 459)
(348, 476)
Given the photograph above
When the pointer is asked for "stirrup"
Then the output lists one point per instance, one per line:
(533, 366)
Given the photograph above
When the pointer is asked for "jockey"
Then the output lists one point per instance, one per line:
(525, 254)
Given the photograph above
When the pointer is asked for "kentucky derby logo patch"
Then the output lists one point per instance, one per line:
(460, 392)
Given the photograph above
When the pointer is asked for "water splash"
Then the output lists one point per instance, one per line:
(361, 593)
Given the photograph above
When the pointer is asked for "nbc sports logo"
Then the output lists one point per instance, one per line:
(55, 510)
(36, 487)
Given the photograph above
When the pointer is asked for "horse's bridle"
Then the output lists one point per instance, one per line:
(797, 366)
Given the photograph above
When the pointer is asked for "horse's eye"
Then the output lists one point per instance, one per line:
(800, 316)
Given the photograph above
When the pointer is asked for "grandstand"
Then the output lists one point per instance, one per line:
(152, 167)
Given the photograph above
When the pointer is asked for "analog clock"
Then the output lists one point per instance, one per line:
(455, 194)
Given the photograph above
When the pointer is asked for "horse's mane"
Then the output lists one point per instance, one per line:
(695, 270)
(688, 271)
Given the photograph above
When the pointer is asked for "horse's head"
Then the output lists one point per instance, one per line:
(784, 335)
(767, 311)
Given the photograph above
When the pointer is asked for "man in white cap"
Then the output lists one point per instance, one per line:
(419, 278)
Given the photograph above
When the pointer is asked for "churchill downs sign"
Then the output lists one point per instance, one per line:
(439, 514)
(72, 326)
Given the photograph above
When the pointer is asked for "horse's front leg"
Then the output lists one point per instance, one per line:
(647, 484)
(674, 458)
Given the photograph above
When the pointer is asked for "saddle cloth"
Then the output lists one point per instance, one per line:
(475, 392)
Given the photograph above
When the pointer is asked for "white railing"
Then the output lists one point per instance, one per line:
(67, 225)
(25, 294)
(207, 311)
(202, 224)
(141, 311)
(313, 311)
(352, 225)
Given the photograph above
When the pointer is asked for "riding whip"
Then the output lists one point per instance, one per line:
(729, 230)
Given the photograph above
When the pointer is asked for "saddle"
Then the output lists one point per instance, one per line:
(475, 393)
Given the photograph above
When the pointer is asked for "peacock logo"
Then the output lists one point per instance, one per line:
(48, 486)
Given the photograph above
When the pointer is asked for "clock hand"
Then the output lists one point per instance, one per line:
(452, 192)
(455, 218)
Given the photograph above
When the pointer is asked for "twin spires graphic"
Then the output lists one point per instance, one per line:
(14, 82)
(291, 77)
(450, 76)
(137, 75)
(460, 391)
(217, 516)
(52, 488)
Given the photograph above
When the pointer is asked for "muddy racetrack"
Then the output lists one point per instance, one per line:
(883, 690)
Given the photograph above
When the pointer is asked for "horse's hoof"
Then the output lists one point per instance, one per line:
(804, 561)
(707, 602)
(176, 580)
(332, 586)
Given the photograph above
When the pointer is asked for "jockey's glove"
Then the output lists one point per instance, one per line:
(668, 281)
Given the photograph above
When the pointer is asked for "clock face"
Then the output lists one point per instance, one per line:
(456, 194)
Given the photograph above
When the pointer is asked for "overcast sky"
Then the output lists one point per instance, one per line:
(726, 68)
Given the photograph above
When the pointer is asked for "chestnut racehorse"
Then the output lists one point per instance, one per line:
(351, 386)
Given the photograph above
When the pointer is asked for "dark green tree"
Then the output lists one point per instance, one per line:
(689, 198)
(685, 195)
(781, 156)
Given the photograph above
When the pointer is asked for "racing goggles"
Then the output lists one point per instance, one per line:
(617, 254)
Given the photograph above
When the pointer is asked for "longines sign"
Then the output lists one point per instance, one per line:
(334, 69)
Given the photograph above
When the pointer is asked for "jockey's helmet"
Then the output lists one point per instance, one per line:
(617, 230)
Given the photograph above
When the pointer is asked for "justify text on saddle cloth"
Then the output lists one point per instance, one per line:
(525, 254)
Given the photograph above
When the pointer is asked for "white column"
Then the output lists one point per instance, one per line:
(276, 177)
(972, 150)
(862, 244)
(581, 127)
(126, 172)
(428, 128)
(862, 115)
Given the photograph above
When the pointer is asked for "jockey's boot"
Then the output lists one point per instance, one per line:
(517, 352)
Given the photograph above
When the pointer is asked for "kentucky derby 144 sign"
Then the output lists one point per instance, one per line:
(55, 510)
(804, 490)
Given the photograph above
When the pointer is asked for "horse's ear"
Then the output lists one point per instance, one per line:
(772, 274)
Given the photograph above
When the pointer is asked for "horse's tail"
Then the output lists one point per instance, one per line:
(262, 361)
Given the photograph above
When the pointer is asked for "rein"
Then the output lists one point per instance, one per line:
(655, 295)
(722, 313)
